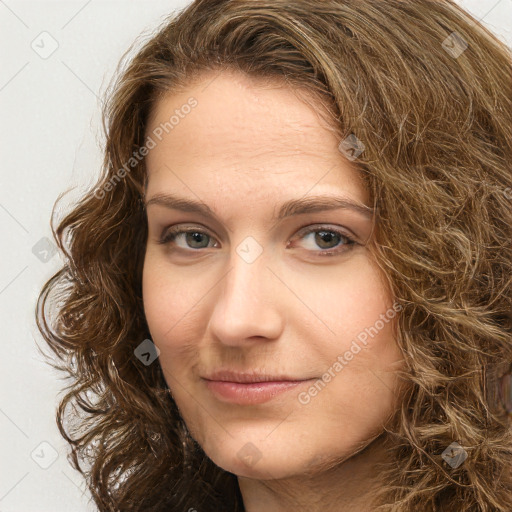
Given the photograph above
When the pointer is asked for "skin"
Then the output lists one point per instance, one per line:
(244, 150)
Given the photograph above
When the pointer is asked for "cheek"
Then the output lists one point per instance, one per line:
(358, 348)
(170, 298)
(175, 306)
(348, 303)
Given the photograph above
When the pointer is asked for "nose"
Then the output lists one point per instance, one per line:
(246, 309)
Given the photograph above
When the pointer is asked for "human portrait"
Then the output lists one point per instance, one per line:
(290, 288)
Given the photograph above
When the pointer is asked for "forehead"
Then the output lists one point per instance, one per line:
(235, 109)
(262, 131)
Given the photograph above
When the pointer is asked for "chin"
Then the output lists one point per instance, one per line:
(266, 468)
(263, 459)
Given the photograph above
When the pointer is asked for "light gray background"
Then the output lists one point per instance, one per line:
(50, 133)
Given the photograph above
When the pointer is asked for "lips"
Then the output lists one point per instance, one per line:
(252, 376)
(250, 387)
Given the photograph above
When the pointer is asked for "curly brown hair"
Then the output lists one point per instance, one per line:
(436, 121)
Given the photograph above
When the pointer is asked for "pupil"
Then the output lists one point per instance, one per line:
(194, 237)
(322, 237)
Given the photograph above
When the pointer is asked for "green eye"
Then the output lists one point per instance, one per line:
(325, 238)
(194, 238)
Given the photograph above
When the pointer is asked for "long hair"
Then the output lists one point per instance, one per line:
(427, 90)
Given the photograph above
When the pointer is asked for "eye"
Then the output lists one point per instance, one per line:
(326, 237)
(193, 238)
(322, 237)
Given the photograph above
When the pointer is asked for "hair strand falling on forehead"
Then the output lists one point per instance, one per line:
(437, 131)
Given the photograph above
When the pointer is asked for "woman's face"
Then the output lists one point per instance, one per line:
(270, 283)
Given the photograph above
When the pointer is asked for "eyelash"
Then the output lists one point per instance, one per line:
(169, 235)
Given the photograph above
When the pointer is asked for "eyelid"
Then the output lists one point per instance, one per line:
(319, 226)
(301, 230)
(180, 228)
(351, 240)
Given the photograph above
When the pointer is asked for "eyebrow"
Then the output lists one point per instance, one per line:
(310, 204)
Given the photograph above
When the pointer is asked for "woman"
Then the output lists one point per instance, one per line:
(290, 287)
